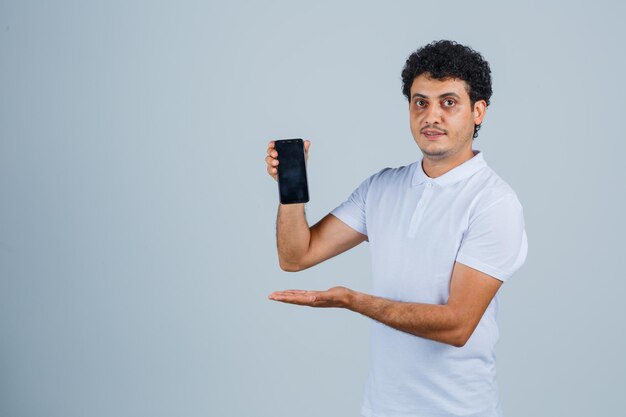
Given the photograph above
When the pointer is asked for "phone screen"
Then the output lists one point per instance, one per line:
(292, 181)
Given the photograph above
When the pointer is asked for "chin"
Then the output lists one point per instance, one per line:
(436, 156)
(435, 147)
(435, 152)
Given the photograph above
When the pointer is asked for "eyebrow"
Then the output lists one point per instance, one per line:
(453, 94)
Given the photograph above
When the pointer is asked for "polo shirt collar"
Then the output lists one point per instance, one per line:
(463, 171)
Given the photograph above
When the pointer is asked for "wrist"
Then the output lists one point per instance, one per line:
(354, 300)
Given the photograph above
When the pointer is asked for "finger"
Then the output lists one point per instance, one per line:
(305, 297)
(271, 161)
(284, 294)
(307, 145)
(287, 298)
(296, 302)
(290, 292)
(304, 300)
(293, 294)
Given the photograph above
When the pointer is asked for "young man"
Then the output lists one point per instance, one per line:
(445, 232)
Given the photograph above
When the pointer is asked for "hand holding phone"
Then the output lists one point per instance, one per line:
(272, 158)
(286, 163)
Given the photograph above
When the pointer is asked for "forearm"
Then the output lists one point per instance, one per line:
(292, 234)
(430, 321)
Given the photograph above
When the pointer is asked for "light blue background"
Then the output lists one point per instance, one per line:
(137, 221)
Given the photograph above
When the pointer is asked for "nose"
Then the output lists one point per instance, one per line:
(433, 114)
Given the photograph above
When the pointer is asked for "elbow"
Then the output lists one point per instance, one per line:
(289, 267)
(297, 265)
(461, 328)
(460, 337)
(458, 343)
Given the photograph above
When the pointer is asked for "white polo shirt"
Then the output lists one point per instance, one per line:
(417, 227)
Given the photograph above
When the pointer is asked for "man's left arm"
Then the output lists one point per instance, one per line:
(494, 247)
(453, 323)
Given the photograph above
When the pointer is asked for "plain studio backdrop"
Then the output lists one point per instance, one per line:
(137, 219)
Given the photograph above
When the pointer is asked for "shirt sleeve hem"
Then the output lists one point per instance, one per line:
(487, 269)
(349, 220)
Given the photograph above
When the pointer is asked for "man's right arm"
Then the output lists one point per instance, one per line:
(300, 246)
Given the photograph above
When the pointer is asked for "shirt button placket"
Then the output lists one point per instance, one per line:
(419, 209)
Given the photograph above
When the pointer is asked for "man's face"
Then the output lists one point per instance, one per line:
(442, 117)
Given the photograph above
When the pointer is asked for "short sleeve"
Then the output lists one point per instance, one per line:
(352, 211)
(495, 242)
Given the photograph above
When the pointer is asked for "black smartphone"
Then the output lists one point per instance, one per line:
(292, 183)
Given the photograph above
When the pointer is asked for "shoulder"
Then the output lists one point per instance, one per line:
(388, 175)
(492, 191)
(386, 180)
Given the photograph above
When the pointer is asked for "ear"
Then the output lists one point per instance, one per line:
(480, 108)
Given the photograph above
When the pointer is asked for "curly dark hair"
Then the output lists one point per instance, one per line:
(448, 59)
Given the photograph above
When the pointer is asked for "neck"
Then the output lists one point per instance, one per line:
(437, 167)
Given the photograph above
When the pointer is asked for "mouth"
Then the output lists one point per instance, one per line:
(432, 134)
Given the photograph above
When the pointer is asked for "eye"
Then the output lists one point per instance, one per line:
(420, 103)
(449, 102)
